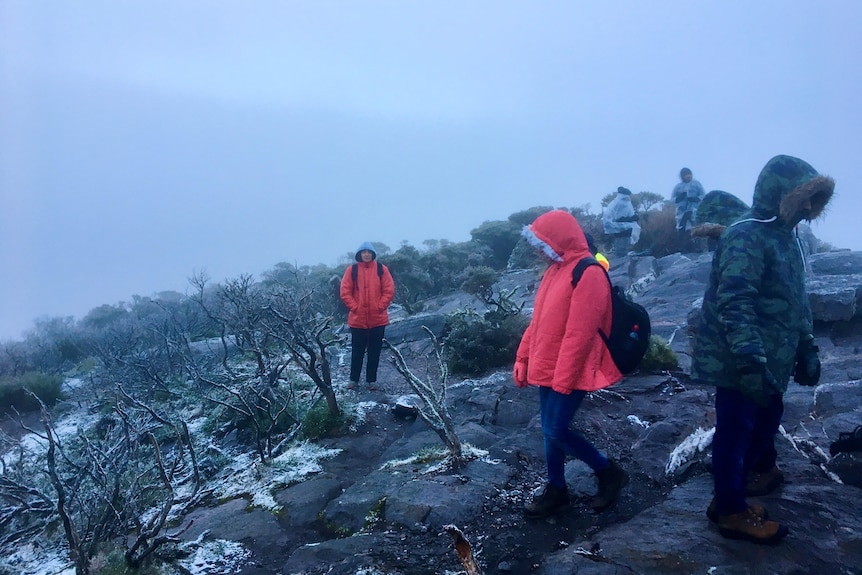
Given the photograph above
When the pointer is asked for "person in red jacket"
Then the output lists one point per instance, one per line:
(367, 290)
(563, 354)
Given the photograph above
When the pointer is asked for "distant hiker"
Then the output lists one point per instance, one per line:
(563, 354)
(687, 195)
(367, 290)
(755, 332)
(620, 222)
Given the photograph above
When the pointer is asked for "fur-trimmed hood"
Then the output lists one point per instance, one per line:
(784, 186)
(558, 234)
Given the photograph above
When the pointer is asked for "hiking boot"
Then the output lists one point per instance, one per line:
(847, 441)
(551, 500)
(612, 479)
(757, 509)
(747, 526)
(763, 483)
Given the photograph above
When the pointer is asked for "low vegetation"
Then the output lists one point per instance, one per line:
(244, 362)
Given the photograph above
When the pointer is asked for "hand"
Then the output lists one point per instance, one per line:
(755, 380)
(519, 373)
(807, 370)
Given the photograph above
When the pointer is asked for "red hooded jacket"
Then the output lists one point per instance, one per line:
(562, 348)
(369, 297)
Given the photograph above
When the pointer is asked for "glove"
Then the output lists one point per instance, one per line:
(755, 380)
(807, 371)
(519, 373)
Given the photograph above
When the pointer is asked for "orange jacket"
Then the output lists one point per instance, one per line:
(562, 348)
(369, 297)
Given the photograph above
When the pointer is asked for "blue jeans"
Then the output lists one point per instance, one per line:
(744, 434)
(557, 411)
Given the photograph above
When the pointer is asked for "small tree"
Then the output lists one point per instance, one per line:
(434, 411)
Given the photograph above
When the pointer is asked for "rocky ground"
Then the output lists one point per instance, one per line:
(361, 516)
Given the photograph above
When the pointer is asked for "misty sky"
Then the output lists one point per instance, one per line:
(142, 142)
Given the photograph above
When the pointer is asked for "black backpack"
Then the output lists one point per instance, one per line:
(630, 325)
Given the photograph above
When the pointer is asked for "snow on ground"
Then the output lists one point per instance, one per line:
(249, 477)
(699, 440)
(216, 557)
(34, 444)
(29, 559)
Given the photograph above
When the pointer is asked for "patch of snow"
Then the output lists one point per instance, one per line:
(36, 445)
(216, 557)
(360, 412)
(640, 285)
(634, 419)
(73, 382)
(30, 560)
(249, 477)
(699, 440)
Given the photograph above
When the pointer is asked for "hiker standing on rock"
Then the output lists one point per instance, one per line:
(562, 353)
(687, 195)
(755, 332)
(367, 290)
(619, 221)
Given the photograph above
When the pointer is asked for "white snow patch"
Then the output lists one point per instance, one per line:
(361, 411)
(36, 445)
(439, 457)
(216, 557)
(30, 560)
(73, 382)
(249, 477)
(635, 420)
(640, 285)
(694, 443)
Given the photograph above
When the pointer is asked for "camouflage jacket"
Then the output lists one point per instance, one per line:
(755, 302)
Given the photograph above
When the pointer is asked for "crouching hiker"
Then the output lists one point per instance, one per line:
(563, 354)
(755, 330)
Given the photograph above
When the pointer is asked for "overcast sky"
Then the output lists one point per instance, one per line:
(141, 142)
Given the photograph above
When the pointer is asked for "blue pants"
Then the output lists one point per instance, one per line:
(557, 411)
(744, 435)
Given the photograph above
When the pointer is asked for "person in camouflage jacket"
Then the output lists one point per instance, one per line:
(755, 332)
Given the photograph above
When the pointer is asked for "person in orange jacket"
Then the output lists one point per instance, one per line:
(367, 289)
(563, 354)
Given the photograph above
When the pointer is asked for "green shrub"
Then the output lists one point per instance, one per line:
(659, 356)
(14, 390)
(474, 344)
(319, 422)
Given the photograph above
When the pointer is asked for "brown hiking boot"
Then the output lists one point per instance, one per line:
(747, 526)
(551, 500)
(763, 483)
(612, 479)
(757, 509)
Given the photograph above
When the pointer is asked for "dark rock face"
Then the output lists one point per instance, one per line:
(375, 510)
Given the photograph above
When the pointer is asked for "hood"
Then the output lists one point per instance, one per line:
(783, 187)
(559, 235)
(365, 246)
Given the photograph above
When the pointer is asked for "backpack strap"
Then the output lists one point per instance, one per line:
(354, 273)
(581, 266)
